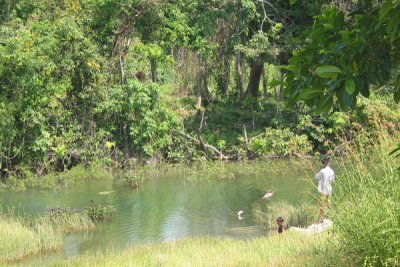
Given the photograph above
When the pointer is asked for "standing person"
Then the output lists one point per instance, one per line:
(280, 222)
(325, 178)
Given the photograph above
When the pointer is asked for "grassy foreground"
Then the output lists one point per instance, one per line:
(24, 237)
(19, 241)
(290, 249)
(367, 207)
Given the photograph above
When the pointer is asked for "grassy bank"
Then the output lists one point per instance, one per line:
(135, 176)
(20, 240)
(22, 237)
(290, 249)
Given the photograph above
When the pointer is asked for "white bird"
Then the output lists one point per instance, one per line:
(268, 195)
(239, 214)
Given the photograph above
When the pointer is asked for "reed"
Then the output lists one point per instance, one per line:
(367, 206)
(67, 222)
(24, 236)
(19, 240)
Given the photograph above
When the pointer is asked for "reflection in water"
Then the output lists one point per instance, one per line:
(176, 226)
(73, 243)
(163, 210)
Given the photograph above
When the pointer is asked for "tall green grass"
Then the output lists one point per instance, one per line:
(67, 223)
(19, 240)
(300, 215)
(290, 249)
(367, 206)
(21, 237)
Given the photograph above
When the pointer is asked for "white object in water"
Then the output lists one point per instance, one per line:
(239, 214)
(268, 195)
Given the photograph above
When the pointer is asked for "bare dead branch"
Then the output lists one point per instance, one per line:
(255, 137)
(203, 144)
(127, 26)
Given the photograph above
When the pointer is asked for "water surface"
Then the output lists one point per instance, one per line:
(165, 208)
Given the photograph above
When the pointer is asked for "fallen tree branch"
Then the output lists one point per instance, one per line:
(255, 137)
(202, 122)
(245, 135)
(204, 145)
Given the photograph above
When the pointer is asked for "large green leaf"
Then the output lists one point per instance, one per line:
(325, 105)
(328, 71)
(362, 85)
(350, 86)
(311, 92)
(348, 99)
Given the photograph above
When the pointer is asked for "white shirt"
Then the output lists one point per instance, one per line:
(325, 177)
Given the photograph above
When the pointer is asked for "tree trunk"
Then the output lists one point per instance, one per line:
(207, 94)
(203, 91)
(265, 82)
(281, 75)
(227, 73)
(154, 73)
(199, 84)
(239, 73)
(198, 95)
(125, 131)
(122, 69)
(257, 67)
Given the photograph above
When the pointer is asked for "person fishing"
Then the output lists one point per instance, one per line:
(325, 178)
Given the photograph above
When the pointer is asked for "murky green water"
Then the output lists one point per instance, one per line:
(165, 208)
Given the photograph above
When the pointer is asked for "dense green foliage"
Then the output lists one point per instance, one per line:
(122, 82)
(347, 55)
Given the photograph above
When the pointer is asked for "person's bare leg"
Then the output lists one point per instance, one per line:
(328, 200)
(321, 209)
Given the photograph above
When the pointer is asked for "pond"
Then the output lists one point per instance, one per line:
(167, 207)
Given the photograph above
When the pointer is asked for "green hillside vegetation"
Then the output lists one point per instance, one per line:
(120, 83)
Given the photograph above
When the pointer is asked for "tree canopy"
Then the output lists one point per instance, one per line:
(83, 81)
(346, 55)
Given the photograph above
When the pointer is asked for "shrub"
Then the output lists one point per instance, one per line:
(277, 142)
(99, 213)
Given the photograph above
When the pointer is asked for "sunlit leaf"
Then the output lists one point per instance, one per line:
(350, 86)
(328, 71)
(311, 92)
(325, 105)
